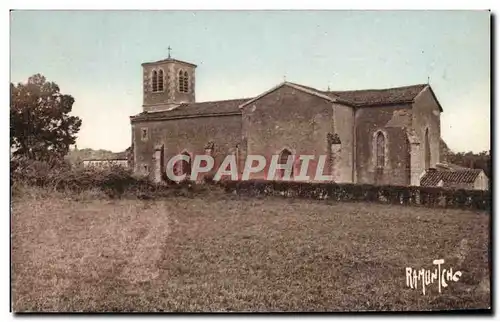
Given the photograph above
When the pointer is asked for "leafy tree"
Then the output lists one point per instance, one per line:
(40, 125)
(481, 160)
(444, 151)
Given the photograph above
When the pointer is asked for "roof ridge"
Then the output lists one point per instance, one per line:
(378, 89)
(169, 60)
(307, 87)
(226, 100)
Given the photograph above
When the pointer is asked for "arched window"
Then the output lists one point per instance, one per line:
(155, 81)
(186, 82)
(181, 81)
(380, 150)
(282, 161)
(160, 80)
(407, 160)
(186, 165)
(427, 150)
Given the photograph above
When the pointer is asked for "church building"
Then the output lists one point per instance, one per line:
(374, 136)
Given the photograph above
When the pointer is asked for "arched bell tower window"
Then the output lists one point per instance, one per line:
(186, 82)
(183, 81)
(160, 80)
(155, 81)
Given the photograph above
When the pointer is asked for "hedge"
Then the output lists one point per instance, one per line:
(402, 195)
(116, 181)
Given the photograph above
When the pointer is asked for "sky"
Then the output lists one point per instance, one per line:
(96, 57)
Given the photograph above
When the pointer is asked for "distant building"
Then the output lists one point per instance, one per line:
(105, 163)
(470, 179)
(449, 166)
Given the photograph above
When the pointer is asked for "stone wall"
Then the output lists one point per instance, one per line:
(156, 101)
(343, 124)
(288, 118)
(391, 121)
(186, 135)
(426, 115)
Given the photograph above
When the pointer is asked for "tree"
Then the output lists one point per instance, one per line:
(444, 150)
(481, 160)
(40, 125)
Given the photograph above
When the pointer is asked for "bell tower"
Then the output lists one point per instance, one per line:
(167, 83)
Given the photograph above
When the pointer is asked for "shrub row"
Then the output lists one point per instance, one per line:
(431, 197)
(115, 181)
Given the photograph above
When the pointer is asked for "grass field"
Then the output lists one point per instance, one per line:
(221, 253)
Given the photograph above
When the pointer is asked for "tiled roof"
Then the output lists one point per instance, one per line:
(371, 97)
(431, 178)
(194, 109)
(166, 60)
(449, 166)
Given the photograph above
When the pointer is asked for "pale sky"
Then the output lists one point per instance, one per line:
(96, 57)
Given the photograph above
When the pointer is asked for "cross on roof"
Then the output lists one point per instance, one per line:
(169, 49)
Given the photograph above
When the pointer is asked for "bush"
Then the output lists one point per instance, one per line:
(114, 181)
(117, 181)
(425, 196)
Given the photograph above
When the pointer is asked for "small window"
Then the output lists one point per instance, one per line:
(145, 168)
(160, 80)
(155, 80)
(186, 165)
(283, 159)
(380, 150)
(181, 81)
(144, 134)
(427, 148)
(186, 82)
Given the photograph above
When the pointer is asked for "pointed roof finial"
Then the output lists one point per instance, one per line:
(428, 80)
(284, 78)
(169, 49)
(328, 88)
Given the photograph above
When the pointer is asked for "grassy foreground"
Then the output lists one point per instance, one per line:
(221, 253)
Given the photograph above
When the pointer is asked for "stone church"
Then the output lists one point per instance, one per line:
(374, 136)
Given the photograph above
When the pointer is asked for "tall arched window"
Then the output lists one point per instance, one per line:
(181, 81)
(427, 150)
(407, 161)
(155, 80)
(380, 150)
(284, 155)
(160, 80)
(186, 82)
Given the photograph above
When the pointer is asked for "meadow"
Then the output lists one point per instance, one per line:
(224, 253)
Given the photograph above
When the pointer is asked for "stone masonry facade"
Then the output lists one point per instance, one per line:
(383, 136)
